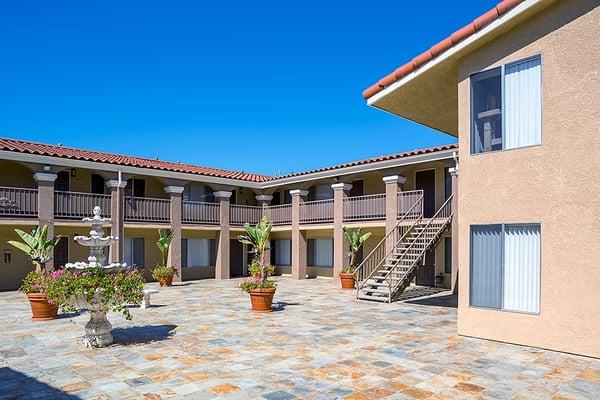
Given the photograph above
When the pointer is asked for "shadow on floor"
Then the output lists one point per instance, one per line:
(142, 334)
(449, 300)
(16, 385)
(281, 305)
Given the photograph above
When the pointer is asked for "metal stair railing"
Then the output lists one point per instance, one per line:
(445, 211)
(368, 267)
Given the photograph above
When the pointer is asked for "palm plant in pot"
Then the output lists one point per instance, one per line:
(260, 288)
(37, 246)
(355, 239)
(164, 273)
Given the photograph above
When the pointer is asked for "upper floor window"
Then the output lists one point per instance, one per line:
(506, 106)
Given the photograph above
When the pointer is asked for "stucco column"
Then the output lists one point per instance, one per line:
(264, 201)
(298, 236)
(175, 192)
(393, 185)
(117, 216)
(454, 227)
(45, 200)
(222, 270)
(340, 248)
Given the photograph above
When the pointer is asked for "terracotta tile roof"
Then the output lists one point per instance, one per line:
(376, 159)
(442, 46)
(90, 155)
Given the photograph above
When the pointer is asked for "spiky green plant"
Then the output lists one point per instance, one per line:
(355, 240)
(37, 245)
(257, 237)
(164, 243)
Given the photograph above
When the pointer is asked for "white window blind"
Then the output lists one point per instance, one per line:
(198, 252)
(323, 253)
(523, 104)
(486, 266)
(283, 254)
(522, 268)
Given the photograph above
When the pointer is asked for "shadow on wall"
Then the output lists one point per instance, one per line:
(14, 384)
(142, 334)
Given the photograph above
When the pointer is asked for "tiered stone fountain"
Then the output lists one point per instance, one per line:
(97, 330)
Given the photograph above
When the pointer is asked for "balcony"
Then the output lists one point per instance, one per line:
(76, 205)
(239, 215)
(145, 209)
(364, 208)
(198, 212)
(410, 203)
(317, 211)
(18, 202)
(279, 214)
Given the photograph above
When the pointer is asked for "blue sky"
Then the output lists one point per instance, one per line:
(260, 86)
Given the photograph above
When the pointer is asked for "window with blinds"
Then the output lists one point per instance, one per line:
(505, 267)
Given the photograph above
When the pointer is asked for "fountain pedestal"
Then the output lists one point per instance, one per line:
(97, 330)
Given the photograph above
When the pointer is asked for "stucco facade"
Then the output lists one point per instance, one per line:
(554, 184)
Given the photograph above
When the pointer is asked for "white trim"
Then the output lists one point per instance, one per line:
(341, 186)
(44, 177)
(298, 192)
(174, 189)
(264, 197)
(222, 194)
(395, 179)
(112, 183)
(454, 50)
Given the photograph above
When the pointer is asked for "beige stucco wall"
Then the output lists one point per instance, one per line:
(13, 174)
(555, 184)
(11, 274)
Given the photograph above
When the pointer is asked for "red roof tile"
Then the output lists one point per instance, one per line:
(442, 46)
(117, 159)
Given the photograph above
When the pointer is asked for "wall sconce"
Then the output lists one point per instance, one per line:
(73, 172)
(7, 256)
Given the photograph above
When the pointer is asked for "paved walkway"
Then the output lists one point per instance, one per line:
(201, 341)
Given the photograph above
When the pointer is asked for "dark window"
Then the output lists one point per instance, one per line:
(448, 255)
(447, 183)
(135, 187)
(184, 253)
(61, 252)
(138, 252)
(486, 111)
(233, 198)
(426, 183)
(276, 199)
(62, 181)
(97, 184)
(287, 198)
(357, 188)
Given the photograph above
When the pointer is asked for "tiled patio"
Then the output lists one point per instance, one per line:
(201, 341)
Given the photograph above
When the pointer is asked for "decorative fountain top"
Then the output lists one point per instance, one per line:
(97, 243)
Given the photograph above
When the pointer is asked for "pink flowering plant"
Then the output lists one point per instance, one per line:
(257, 237)
(106, 290)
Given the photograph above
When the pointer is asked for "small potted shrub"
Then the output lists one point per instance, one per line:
(37, 245)
(260, 288)
(355, 240)
(163, 273)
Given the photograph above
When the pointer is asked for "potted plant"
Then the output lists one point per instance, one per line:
(37, 246)
(164, 273)
(260, 288)
(355, 240)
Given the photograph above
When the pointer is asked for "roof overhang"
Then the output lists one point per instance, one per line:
(429, 94)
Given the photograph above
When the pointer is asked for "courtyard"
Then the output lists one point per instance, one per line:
(199, 340)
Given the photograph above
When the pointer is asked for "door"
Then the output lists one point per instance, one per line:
(62, 181)
(357, 188)
(236, 258)
(97, 184)
(61, 252)
(426, 273)
(425, 181)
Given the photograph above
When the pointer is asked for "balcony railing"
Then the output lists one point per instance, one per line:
(316, 211)
(18, 202)
(147, 209)
(200, 212)
(239, 215)
(363, 208)
(77, 205)
(406, 201)
(279, 214)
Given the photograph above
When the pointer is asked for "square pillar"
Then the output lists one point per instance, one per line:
(264, 201)
(175, 192)
(45, 202)
(117, 217)
(454, 228)
(393, 185)
(340, 248)
(298, 237)
(222, 270)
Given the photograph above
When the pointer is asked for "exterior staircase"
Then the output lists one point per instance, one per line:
(390, 267)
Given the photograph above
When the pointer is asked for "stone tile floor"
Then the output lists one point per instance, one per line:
(201, 341)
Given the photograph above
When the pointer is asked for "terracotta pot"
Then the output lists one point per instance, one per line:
(41, 310)
(347, 280)
(262, 299)
(166, 281)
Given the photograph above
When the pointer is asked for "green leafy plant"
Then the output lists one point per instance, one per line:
(257, 237)
(163, 272)
(104, 289)
(164, 243)
(37, 245)
(355, 240)
(34, 282)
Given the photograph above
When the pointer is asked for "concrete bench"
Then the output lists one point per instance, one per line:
(146, 300)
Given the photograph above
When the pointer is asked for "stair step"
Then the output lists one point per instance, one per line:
(374, 298)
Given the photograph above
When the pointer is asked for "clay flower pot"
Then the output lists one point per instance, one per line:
(262, 299)
(347, 280)
(166, 281)
(41, 310)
